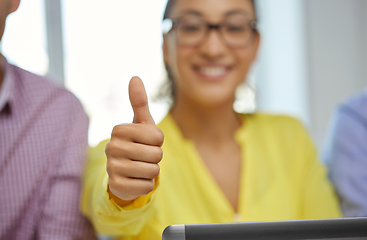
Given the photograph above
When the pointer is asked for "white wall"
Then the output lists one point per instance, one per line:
(281, 68)
(24, 40)
(313, 56)
(337, 62)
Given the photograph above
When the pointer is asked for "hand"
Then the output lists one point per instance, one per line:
(134, 151)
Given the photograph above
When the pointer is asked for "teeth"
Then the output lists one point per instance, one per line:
(212, 71)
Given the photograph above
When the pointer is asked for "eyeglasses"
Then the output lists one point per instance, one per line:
(193, 31)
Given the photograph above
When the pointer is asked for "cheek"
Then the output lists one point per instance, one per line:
(244, 61)
(181, 63)
(183, 55)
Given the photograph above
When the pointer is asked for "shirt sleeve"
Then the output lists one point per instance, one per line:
(318, 197)
(107, 217)
(61, 217)
(346, 156)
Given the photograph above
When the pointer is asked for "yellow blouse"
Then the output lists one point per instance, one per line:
(281, 179)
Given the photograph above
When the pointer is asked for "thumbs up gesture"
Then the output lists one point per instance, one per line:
(134, 151)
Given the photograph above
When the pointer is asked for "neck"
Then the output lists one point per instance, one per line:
(213, 124)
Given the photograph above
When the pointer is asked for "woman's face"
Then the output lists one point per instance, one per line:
(209, 73)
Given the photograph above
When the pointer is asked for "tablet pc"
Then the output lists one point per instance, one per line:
(338, 229)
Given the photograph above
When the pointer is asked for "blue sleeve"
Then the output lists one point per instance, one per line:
(346, 156)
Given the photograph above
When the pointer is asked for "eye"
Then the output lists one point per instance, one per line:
(190, 27)
(235, 28)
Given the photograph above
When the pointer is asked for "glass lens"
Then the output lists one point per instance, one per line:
(191, 30)
(237, 32)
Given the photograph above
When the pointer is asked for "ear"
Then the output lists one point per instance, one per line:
(165, 50)
(14, 4)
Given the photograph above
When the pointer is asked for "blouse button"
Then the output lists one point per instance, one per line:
(237, 217)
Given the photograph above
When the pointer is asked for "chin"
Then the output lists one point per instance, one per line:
(213, 100)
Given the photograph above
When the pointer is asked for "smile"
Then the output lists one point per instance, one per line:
(212, 71)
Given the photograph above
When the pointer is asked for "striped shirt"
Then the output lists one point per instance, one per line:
(43, 142)
(346, 155)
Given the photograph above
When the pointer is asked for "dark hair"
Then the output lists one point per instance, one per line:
(170, 4)
(168, 89)
(169, 7)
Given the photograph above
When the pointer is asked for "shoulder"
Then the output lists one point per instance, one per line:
(276, 122)
(357, 101)
(355, 107)
(349, 123)
(39, 91)
(283, 131)
(36, 86)
(283, 139)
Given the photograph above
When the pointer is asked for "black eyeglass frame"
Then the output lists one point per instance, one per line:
(168, 25)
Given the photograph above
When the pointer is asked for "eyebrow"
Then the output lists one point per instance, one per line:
(190, 11)
(236, 11)
(232, 12)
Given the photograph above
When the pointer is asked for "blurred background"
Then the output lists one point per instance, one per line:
(313, 55)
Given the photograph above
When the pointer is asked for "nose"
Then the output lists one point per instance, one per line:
(213, 46)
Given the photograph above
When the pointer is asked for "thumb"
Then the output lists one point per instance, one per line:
(139, 102)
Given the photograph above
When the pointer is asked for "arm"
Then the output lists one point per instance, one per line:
(346, 156)
(119, 185)
(106, 215)
(317, 194)
(320, 200)
(61, 217)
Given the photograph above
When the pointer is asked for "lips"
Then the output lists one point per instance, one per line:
(212, 72)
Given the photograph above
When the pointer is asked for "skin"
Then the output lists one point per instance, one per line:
(134, 151)
(203, 108)
(6, 7)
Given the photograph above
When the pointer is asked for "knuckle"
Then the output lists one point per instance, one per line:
(115, 131)
(121, 131)
(118, 167)
(113, 184)
(113, 146)
(110, 167)
(148, 187)
(118, 149)
(153, 171)
(158, 154)
(122, 188)
(110, 147)
(109, 170)
(158, 136)
(156, 169)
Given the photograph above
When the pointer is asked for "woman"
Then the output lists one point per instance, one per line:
(218, 166)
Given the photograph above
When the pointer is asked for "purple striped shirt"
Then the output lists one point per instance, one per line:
(43, 142)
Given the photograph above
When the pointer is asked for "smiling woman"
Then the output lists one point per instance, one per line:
(216, 57)
(217, 165)
(193, 30)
